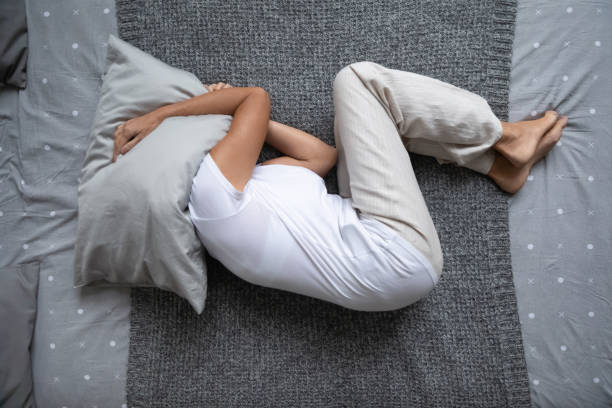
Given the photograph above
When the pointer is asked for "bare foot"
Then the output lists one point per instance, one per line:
(520, 139)
(511, 178)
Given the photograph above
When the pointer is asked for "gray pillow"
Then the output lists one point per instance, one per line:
(18, 304)
(133, 220)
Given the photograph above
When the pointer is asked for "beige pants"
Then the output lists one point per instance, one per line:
(381, 112)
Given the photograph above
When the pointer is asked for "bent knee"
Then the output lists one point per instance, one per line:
(344, 78)
(347, 76)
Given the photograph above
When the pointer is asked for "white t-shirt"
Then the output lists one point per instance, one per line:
(285, 231)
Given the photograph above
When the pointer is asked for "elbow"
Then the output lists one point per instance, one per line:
(325, 162)
(263, 98)
(260, 92)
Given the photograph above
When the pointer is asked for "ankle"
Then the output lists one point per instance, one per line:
(507, 176)
(509, 133)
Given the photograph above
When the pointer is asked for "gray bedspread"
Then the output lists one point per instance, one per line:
(561, 221)
(80, 345)
(254, 346)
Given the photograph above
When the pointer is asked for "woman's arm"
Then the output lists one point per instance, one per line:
(223, 102)
(293, 142)
(297, 143)
(134, 130)
(300, 148)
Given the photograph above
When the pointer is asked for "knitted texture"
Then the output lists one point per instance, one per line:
(461, 346)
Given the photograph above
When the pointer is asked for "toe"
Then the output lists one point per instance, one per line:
(551, 113)
(550, 118)
(555, 132)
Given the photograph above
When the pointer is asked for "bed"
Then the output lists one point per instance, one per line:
(559, 221)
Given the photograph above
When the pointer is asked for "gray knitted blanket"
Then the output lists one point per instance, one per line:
(253, 346)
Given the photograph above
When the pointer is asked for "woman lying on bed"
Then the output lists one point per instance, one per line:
(373, 246)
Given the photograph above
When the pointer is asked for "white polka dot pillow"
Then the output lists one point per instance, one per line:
(133, 221)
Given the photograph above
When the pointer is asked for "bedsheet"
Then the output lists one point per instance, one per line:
(559, 222)
(80, 345)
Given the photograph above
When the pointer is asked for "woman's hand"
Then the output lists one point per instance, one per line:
(217, 86)
(133, 131)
